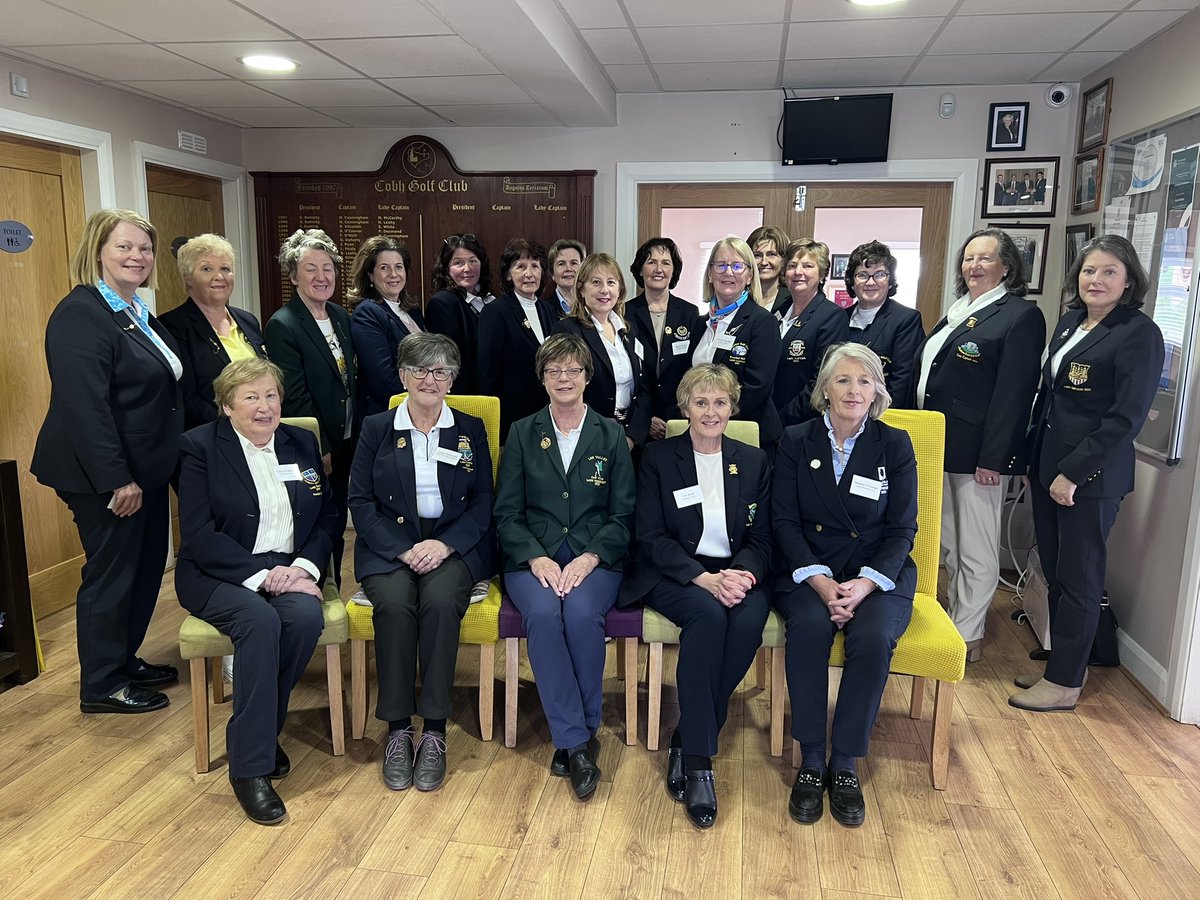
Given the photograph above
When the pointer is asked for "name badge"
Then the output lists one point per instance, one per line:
(289, 472)
(689, 496)
(725, 342)
(451, 457)
(678, 348)
(866, 487)
(637, 348)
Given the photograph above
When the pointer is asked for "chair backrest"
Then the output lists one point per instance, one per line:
(927, 430)
(746, 432)
(305, 422)
(486, 408)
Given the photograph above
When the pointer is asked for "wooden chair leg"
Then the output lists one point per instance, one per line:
(218, 679)
(333, 674)
(760, 667)
(198, 669)
(654, 673)
(939, 751)
(512, 649)
(796, 755)
(778, 700)
(358, 689)
(916, 703)
(620, 657)
(628, 651)
(487, 689)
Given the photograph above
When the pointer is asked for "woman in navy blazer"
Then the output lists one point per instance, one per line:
(845, 515)
(702, 559)
(1099, 377)
(108, 447)
(257, 524)
(421, 497)
(462, 286)
(384, 314)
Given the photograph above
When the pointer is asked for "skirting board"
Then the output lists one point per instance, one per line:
(1143, 668)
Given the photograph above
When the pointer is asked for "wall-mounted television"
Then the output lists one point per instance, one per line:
(832, 130)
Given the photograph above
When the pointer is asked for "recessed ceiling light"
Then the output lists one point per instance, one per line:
(266, 63)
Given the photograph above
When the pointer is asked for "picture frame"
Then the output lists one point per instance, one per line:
(838, 264)
(1031, 243)
(1007, 126)
(1094, 108)
(1017, 186)
(1086, 183)
(1077, 236)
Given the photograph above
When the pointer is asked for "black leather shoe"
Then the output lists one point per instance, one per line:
(259, 800)
(283, 765)
(131, 699)
(560, 764)
(675, 777)
(807, 802)
(585, 774)
(700, 798)
(846, 802)
(147, 675)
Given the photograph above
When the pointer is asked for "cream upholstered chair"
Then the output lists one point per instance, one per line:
(203, 646)
(481, 624)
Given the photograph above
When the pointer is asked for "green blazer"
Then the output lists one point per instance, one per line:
(590, 504)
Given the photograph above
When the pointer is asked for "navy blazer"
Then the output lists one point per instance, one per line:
(446, 312)
(377, 333)
(312, 384)
(1085, 419)
(683, 322)
(667, 536)
(754, 359)
(818, 521)
(383, 496)
(505, 359)
(204, 356)
(116, 412)
(601, 392)
(895, 334)
(983, 380)
(820, 326)
(219, 512)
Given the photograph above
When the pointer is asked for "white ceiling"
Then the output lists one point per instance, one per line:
(418, 63)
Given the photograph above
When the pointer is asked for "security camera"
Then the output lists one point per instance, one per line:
(1058, 95)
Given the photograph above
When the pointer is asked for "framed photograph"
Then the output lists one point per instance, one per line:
(1085, 187)
(1020, 187)
(1006, 126)
(1077, 236)
(1093, 121)
(838, 265)
(1031, 242)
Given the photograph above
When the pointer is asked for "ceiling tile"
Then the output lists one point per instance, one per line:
(698, 43)
(1038, 32)
(333, 92)
(703, 12)
(1076, 66)
(384, 116)
(594, 13)
(833, 40)
(877, 71)
(366, 18)
(1143, 5)
(992, 7)
(1129, 29)
(980, 68)
(212, 20)
(830, 10)
(632, 79)
(613, 46)
(272, 117)
(500, 114)
(196, 92)
(42, 24)
(459, 90)
(719, 76)
(112, 62)
(400, 57)
(224, 58)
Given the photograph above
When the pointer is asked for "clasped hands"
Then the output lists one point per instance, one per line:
(561, 579)
(290, 579)
(425, 556)
(728, 586)
(841, 599)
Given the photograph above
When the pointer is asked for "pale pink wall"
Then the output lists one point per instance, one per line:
(695, 231)
(844, 229)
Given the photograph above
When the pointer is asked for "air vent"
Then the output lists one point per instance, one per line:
(193, 143)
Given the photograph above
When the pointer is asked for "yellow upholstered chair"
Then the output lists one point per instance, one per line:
(203, 646)
(481, 624)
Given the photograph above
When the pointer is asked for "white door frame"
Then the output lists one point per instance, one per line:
(96, 160)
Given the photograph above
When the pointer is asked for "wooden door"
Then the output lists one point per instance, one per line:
(41, 186)
(182, 204)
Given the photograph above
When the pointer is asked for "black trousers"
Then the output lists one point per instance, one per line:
(716, 649)
(340, 459)
(1073, 546)
(871, 638)
(125, 560)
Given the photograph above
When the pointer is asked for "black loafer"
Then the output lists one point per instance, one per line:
(675, 777)
(807, 802)
(146, 675)
(585, 774)
(700, 798)
(846, 798)
(283, 765)
(131, 699)
(560, 763)
(259, 800)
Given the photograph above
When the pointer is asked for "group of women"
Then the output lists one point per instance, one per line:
(817, 521)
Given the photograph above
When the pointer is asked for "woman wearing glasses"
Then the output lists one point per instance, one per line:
(421, 496)
(462, 285)
(808, 325)
(892, 330)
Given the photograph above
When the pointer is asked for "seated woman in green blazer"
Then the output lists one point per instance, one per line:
(564, 510)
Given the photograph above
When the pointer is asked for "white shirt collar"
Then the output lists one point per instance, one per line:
(618, 322)
(248, 445)
(403, 421)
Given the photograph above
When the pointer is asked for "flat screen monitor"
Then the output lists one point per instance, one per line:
(832, 130)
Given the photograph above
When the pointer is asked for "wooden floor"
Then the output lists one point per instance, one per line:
(1101, 802)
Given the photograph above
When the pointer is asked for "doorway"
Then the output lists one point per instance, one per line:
(181, 205)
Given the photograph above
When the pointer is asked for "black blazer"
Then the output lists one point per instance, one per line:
(505, 361)
(754, 359)
(821, 325)
(682, 324)
(895, 335)
(601, 392)
(203, 356)
(116, 411)
(377, 332)
(818, 521)
(983, 380)
(446, 312)
(312, 385)
(667, 535)
(1086, 418)
(218, 509)
(589, 504)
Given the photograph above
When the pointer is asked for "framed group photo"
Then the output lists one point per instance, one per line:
(1031, 242)
(1020, 187)
(1095, 106)
(1085, 186)
(1006, 126)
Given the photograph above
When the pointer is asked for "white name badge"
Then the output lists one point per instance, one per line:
(689, 496)
(866, 487)
(724, 342)
(678, 348)
(289, 472)
(451, 457)
(637, 348)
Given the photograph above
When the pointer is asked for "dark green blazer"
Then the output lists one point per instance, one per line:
(590, 504)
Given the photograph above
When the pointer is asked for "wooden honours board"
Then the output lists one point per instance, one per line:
(419, 196)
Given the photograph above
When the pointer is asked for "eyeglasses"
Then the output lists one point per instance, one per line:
(457, 240)
(556, 373)
(736, 267)
(419, 373)
(878, 277)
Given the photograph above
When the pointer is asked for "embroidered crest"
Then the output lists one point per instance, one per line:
(545, 444)
(740, 351)
(681, 332)
(467, 460)
(401, 443)
(969, 350)
(886, 361)
(733, 469)
(597, 478)
(796, 350)
(750, 511)
(313, 479)
(1078, 373)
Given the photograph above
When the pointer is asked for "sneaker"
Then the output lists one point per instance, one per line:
(431, 761)
(398, 759)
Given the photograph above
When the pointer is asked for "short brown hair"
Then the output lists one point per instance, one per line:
(708, 376)
(1134, 295)
(561, 347)
(802, 247)
(243, 371)
(85, 262)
